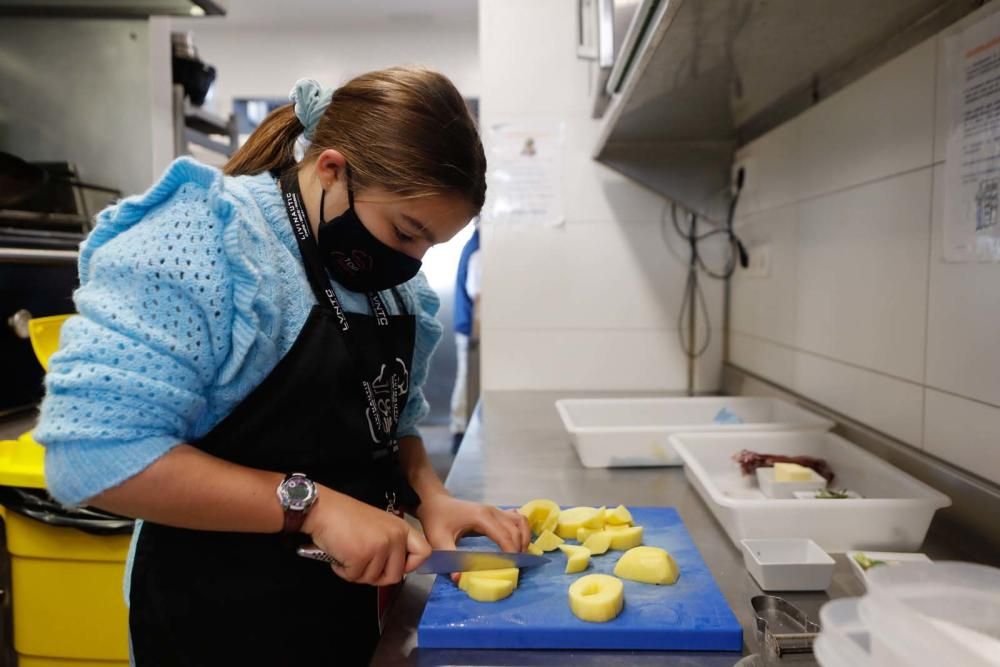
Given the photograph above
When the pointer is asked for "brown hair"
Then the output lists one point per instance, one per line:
(404, 129)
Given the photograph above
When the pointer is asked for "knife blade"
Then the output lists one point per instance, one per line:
(443, 561)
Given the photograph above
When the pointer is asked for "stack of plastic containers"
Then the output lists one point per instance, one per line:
(920, 615)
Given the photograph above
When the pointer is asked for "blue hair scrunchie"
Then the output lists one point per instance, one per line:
(311, 100)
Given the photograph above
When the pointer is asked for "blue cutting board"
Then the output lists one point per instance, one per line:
(691, 615)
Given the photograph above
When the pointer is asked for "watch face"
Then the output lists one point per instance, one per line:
(298, 493)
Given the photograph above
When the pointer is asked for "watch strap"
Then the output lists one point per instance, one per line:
(293, 520)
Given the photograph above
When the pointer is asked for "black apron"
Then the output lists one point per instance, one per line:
(329, 409)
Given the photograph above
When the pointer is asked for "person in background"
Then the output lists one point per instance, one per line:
(466, 311)
(245, 375)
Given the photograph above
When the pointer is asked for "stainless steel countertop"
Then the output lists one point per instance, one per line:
(516, 449)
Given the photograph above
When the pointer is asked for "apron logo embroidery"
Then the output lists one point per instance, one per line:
(386, 392)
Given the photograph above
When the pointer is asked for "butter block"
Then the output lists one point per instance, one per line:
(792, 472)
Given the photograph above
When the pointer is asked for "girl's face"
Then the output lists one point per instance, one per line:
(410, 225)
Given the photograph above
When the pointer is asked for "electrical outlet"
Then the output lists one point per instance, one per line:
(760, 261)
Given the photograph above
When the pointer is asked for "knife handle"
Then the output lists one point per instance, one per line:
(315, 553)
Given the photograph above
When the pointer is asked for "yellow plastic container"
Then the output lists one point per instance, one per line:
(66, 585)
(44, 335)
(22, 463)
(30, 661)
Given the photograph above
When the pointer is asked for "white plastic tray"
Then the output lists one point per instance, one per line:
(890, 558)
(625, 432)
(893, 515)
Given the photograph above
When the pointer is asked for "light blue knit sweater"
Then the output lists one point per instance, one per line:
(189, 295)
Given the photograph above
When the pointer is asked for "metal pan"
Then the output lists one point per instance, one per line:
(784, 628)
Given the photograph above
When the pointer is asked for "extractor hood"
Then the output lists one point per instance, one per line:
(111, 8)
(708, 76)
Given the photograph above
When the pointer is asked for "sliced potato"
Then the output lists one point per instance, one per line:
(648, 565)
(619, 516)
(485, 589)
(575, 518)
(577, 557)
(548, 541)
(622, 540)
(507, 574)
(596, 598)
(542, 514)
(615, 529)
(598, 542)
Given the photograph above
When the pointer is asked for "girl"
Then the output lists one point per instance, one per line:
(245, 375)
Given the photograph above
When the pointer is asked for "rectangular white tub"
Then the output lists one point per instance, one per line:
(624, 432)
(893, 515)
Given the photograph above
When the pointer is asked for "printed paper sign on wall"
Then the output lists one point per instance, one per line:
(525, 173)
(972, 169)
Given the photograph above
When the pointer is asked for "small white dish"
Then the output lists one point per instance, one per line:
(786, 490)
(888, 557)
(788, 564)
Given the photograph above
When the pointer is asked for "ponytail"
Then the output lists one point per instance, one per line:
(271, 146)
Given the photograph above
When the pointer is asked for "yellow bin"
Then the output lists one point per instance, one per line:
(66, 584)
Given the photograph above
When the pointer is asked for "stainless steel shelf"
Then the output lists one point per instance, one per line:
(206, 141)
(708, 76)
(33, 256)
(205, 122)
(127, 9)
(197, 126)
(60, 219)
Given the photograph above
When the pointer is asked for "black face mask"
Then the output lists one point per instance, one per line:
(355, 258)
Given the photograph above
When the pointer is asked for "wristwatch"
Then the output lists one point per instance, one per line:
(297, 494)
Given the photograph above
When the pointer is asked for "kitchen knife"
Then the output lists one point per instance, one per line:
(445, 562)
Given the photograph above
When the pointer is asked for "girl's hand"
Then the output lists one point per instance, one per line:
(372, 546)
(445, 519)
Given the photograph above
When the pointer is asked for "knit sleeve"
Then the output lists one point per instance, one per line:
(423, 302)
(155, 326)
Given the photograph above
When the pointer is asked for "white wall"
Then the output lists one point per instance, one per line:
(86, 91)
(265, 62)
(860, 312)
(591, 304)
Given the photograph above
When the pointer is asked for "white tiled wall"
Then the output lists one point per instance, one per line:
(963, 332)
(591, 304)
(862, 280)
(858, 311)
